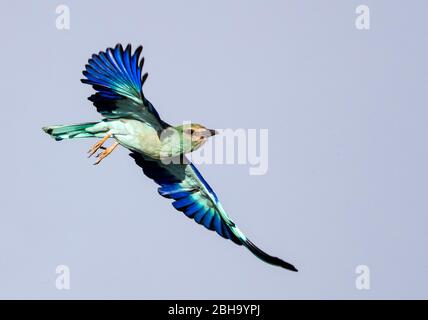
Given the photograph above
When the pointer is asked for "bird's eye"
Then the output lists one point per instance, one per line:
(191, 132)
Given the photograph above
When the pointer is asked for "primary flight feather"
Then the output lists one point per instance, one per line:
(157, 147)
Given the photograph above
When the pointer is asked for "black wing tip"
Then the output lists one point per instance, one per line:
(268, 258)
(144, 77)
(289, 266)
(139, 49)
(281, 263)
(121, 49)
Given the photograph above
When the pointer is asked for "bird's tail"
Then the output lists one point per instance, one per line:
(71, 131)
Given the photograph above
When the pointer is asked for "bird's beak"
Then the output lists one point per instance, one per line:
(213, 132)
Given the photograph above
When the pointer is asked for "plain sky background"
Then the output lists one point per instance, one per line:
(347, 182)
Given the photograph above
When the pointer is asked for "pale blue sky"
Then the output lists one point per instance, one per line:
(347, 182)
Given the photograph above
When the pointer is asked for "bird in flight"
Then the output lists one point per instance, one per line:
(157, 147)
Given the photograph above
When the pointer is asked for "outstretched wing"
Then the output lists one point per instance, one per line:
(116, 75)
(192, 195)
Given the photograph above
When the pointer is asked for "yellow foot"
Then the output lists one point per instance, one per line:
(98, 145)
(106, 152)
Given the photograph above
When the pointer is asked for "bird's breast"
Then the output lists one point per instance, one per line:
(137, 136)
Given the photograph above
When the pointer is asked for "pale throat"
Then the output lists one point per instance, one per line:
(175, 143)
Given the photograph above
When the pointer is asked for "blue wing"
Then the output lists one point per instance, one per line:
(192, 195)
(116, 75)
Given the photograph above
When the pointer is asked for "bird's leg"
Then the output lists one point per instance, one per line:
(106, 152)
(98, 145)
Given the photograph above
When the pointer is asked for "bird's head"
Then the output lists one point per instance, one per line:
(195, 134)
(183, 139)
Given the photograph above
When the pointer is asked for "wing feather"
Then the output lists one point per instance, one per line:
(193, 196)
(116, 76)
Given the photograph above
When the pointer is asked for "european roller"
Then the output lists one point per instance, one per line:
(157, 147)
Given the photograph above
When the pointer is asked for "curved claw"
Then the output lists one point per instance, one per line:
(105, 153)
(98, 145)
